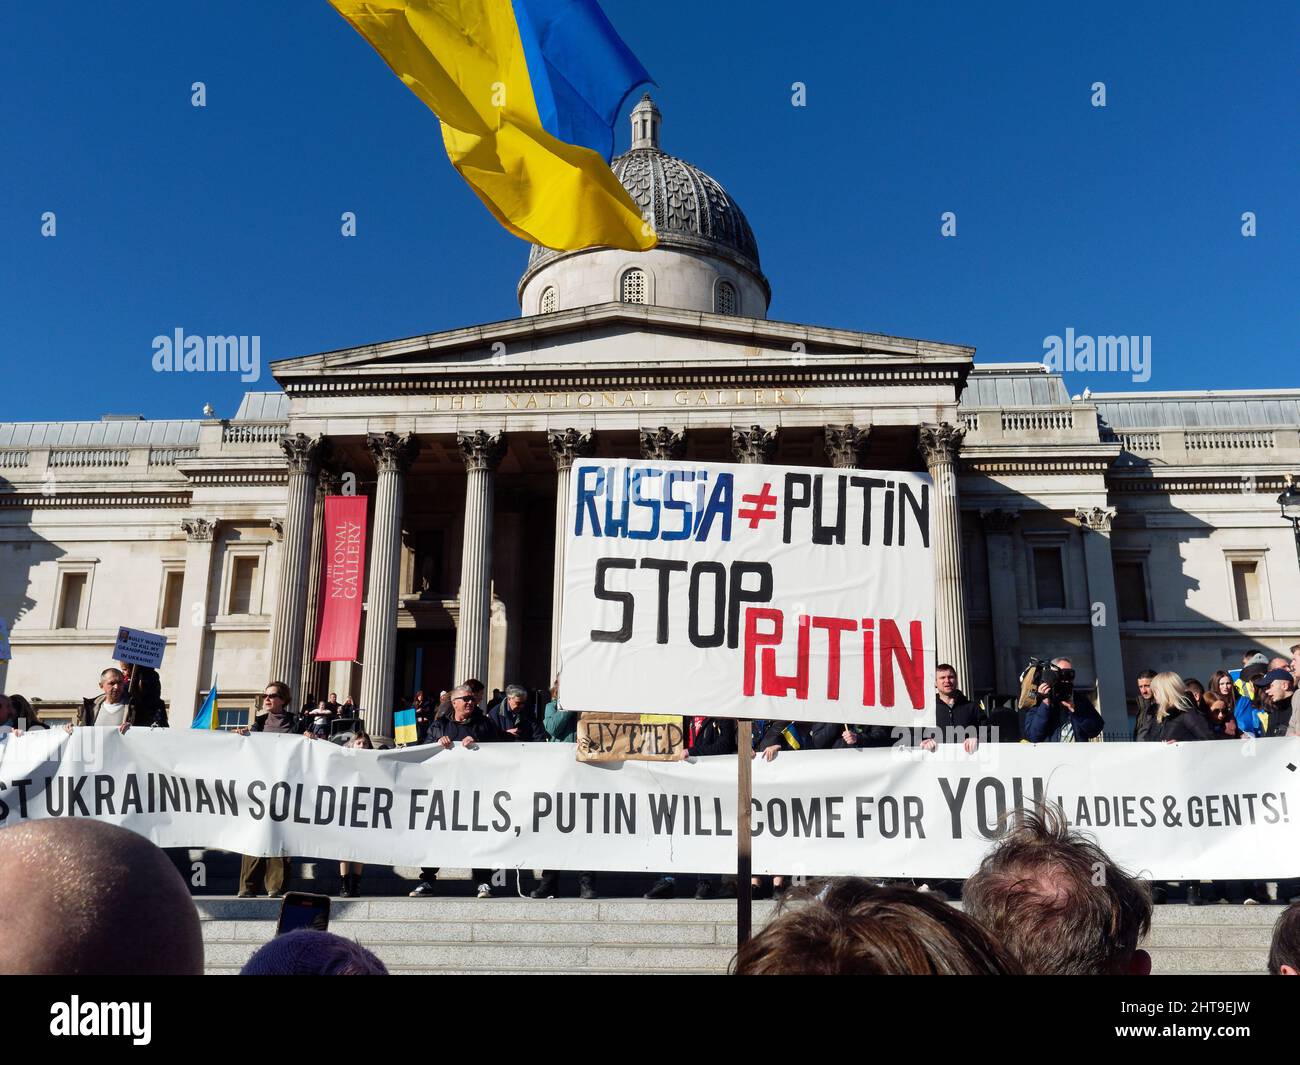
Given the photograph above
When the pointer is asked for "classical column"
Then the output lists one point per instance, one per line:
(303, 455)
(181, 680)
(482, 452)
(393, 455)
(315, 675)
(566, 445)
(999, 528)
(1103, 610)
(939, 445)
(754, 445)
(662, 444)
(846, 445)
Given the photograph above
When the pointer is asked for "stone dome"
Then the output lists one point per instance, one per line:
(693, 217)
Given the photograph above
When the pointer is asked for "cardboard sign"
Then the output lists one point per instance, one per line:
(767, 592)
(629, 737)
(5, 654)
(140, 648)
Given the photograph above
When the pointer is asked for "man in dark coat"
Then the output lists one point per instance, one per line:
(1146, 705)
(467, 726)
(1055, 718)
(513, 715)
(273, 870)
(956, 718)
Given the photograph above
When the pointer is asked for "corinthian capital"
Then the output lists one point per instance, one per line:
(480, 450)
(393, 453)
(753, 445)
(304, 453)
(662, 444)
(570, 444)
(1097, 519)
(940, 443)
(198, 529)
(845, 445)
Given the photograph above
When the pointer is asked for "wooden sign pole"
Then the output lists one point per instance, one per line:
(744, 854)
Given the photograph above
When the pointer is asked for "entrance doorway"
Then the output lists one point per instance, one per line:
(425, 660)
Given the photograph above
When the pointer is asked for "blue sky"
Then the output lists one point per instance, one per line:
(226, 219)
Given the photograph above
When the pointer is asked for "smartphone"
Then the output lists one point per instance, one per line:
(301, 909)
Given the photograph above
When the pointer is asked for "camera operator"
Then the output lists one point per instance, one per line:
(1061, 715)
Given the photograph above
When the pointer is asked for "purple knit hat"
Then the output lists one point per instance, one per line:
(308, 952)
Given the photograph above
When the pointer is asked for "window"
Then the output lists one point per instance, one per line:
(724, 299)
(550, 300)
(1245, 586)
(170, 613)
(633, 288)
(71, 599)
(243, 580)
(1049, 579)
(231, 719)
(1131, 591)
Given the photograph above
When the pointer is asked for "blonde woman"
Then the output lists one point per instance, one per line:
(350, 872)
(1177, 718)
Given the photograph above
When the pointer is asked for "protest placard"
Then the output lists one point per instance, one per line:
(140, 648)
(772, 592)
(619, 737)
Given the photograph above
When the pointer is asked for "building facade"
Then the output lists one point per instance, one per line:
(1124, 530)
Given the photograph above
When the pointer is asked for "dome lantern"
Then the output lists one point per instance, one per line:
(706, 258)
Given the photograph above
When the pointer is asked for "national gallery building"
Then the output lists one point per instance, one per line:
(1125, 530)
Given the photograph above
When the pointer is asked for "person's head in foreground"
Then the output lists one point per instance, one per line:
(110, 903)
(308, 952)
(1058, 903)
(1284, 954)
(855, 927)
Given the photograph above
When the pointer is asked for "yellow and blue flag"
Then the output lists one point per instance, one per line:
(208, 713)
(792, 737)
(404, 730)
(528, 92)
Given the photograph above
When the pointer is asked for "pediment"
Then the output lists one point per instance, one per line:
(619, 335)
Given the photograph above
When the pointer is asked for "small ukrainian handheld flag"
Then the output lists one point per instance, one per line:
(792, 737)
(528, 92)
(404, 730)
(206, 718)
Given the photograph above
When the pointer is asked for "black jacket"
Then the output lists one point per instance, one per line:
(963, 714)
(1279, 718)
(1187, 723)
(530, 729)
(1146, 719)
(479, 726)
(813, 735)
(717, 736)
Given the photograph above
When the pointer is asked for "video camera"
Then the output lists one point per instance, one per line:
(1039, 672)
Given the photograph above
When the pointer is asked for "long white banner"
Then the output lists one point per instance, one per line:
(1200, 810)
(771, 592)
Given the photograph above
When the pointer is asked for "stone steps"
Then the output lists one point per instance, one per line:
(624, 936)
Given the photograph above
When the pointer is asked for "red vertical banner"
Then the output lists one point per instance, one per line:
(342, 578)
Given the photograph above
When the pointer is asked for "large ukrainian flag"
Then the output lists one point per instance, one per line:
(528, 92)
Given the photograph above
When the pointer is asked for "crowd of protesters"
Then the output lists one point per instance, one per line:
(1255, 700)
